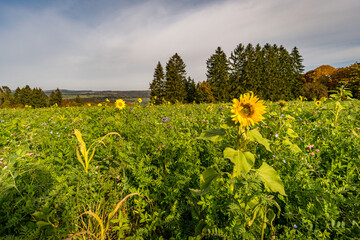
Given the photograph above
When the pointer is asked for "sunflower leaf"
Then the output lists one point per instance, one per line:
(214, 135)
(243, 161)
(271, 179)
(255, 136)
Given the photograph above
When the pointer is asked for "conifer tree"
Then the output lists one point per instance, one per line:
(190, 90)
(157, 85)
(55, 97)
(39, 98)
(204, 93)
(218, 75)
(175, 79)
(58, 96)
(298, 70)
(25, 95)
(236, 66)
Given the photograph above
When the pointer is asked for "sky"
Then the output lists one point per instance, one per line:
(116, 44)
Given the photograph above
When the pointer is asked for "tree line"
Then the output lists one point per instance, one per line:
(26, 96)
(271, 72)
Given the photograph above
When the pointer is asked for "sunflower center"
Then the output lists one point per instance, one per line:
(247, 110)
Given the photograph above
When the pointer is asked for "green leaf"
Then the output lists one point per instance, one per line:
(271, 179)
(42, 223)
(243, 161)
(227, 123)
(291, 133)
(255, 136)
(291, 145)
(207, 177)
(214, 135)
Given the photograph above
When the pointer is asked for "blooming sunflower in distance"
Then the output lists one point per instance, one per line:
(140, 100)
(318, 103)
(120, 104)
(248, 110)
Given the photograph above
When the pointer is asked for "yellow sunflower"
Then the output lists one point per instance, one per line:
(248, 110)
(99, 105)
(318, 103)
(107, 100)
(140, 100)
(120, 104)
(301, 98)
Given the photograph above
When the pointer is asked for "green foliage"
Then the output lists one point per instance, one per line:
(218, 75)
(175, 80)
(157, 86)
(187, 185)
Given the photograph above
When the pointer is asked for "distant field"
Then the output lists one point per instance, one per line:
(100, 96)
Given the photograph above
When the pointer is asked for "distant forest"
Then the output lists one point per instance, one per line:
(36, 97)
(271, 72)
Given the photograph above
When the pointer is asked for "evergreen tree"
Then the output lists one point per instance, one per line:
(157, 85)
(190, 90)
(204, 93)
(236, 66)
(52, 98)
(25, 95)
(17, 96)
(58, 96)
(175, 79)
(39, 98)
(218, 75)
(298, 70)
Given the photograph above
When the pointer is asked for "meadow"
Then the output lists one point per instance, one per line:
(176, 171)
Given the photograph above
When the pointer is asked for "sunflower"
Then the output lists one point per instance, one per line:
(99, 105)
(140, 100)
(248, 110)
(318, 103)
(300, 98)
(120, 104)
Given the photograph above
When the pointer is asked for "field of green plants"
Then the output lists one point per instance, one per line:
(178, 171)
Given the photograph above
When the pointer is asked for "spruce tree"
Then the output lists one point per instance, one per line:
(236, 66)
(175, 80)
(157, 85)
(204, 93)
(298, 70)
(25, 95)
(218, 75)
(52, 98)
(190, 90)
(58, 96)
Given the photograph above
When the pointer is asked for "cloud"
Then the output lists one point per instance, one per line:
(119, 47)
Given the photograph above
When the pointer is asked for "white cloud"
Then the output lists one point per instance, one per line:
(47, 49)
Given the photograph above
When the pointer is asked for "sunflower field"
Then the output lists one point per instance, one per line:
(174, 171)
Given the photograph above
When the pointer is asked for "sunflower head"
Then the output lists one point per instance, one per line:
(99, 105)
(318, 103)
(140, 100)
(248, 110)
(120, 104)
